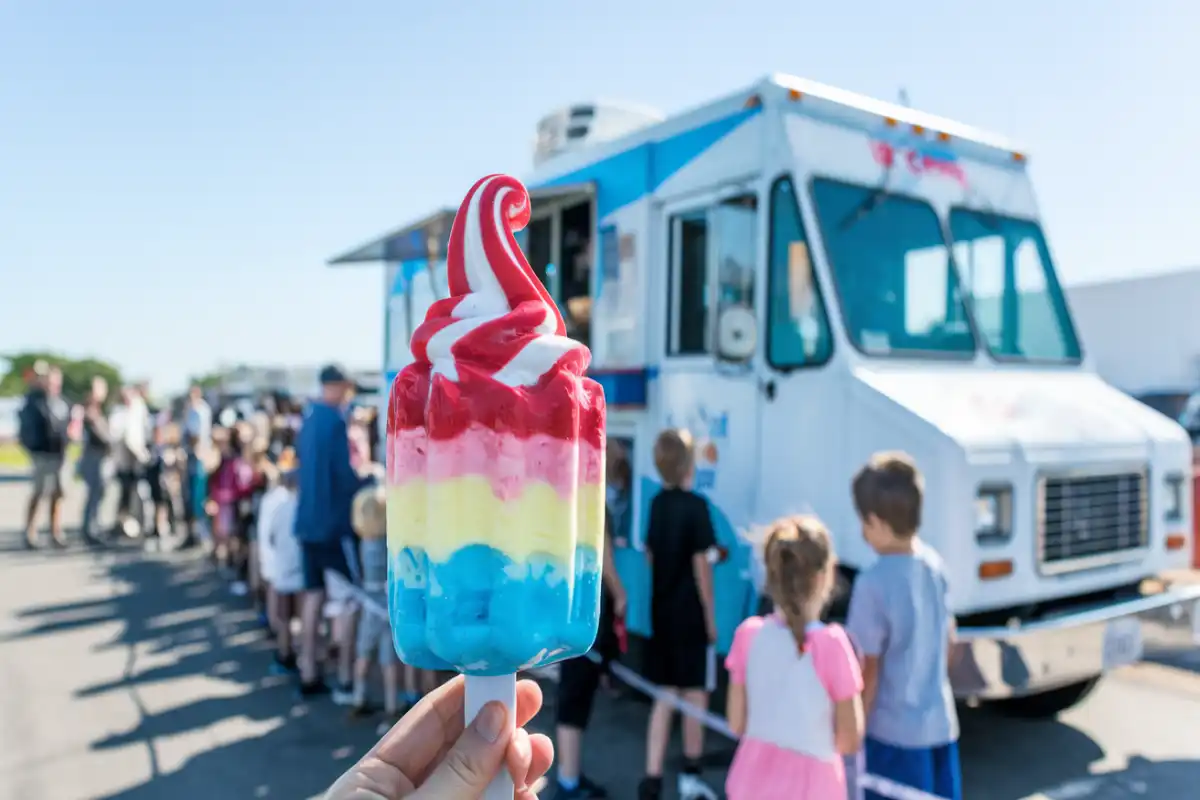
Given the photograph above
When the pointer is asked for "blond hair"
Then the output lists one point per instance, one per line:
(797, 555)
(674, 454)
(368, 513)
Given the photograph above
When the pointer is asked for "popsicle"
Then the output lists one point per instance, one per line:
(495, 468)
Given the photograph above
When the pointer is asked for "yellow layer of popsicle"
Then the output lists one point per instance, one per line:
(445, 516)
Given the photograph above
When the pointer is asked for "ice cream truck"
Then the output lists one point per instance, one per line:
(802, 276)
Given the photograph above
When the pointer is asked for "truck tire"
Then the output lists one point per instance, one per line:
(1047, 704)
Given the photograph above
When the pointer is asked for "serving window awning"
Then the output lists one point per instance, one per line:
(412, 242)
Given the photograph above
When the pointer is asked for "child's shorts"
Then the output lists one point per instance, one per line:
(375, 639)
(681, 665)
(931, 769)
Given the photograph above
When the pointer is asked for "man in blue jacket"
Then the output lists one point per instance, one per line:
(326, 485)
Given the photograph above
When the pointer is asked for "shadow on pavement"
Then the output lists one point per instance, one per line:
(179, 623)
(1142, 777)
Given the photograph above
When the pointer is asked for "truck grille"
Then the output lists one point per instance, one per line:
(1090, 520)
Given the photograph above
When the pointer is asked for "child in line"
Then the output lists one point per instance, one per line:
(794, 683)
(681, 656)
(374, 643)
(228, 486)
(279, 559)
(901, 622)
(261, 476)
(579, 677)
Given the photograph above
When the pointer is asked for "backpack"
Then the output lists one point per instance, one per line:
(32, 430)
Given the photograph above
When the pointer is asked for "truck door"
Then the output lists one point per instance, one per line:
(800, 400)
(707, 383)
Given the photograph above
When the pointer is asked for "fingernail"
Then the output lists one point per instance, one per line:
(490, 722)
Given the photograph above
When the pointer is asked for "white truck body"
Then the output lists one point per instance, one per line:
(772, 271)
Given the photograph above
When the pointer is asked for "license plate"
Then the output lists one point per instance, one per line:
(1122, 643)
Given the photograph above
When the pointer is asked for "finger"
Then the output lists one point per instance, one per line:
(529, 701)
(542, 756)
(518, 757)
(474, 760)
(415, 742)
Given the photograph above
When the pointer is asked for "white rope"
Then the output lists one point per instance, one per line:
(882, 786)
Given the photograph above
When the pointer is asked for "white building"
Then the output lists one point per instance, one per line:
(1141, 333)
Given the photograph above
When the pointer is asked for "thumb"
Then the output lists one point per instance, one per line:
(476, 758)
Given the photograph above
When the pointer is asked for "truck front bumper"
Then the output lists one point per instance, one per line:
(1026, 659)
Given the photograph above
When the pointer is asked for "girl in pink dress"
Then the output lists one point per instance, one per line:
(795, 684)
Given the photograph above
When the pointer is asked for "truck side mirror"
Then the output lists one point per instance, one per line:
(737, 334)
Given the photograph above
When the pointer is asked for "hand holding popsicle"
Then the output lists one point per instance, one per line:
(429, 755)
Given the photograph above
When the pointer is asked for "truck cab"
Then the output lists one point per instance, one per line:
(801, 277)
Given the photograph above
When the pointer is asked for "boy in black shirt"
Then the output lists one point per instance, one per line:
(680, 657)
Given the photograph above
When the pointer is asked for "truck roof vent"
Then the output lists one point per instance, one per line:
(585, 124)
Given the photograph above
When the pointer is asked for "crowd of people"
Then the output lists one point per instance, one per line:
(283, 496)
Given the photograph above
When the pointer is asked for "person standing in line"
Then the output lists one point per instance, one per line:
(794, 683)
(129, 426)
(198, 417)
(97, 444)
(579, 678)
(197, 436)
(43, 433)
(681, 655)
(901, 622)
(326, 486)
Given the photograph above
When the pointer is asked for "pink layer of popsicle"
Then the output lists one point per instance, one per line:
(507, 461)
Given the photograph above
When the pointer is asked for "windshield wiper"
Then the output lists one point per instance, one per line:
(869, 204)
(872, 201)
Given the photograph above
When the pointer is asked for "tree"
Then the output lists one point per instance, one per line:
(77, 373)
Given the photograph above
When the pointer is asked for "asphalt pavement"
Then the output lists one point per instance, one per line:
(133, 676)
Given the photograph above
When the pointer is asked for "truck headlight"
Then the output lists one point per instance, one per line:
(1173, 502)
(993, 514)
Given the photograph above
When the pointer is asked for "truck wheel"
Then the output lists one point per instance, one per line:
(1047, 704)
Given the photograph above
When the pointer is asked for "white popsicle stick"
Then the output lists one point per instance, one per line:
(480, 691)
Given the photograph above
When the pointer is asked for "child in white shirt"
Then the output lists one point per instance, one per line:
(279, 558)
(794, 684)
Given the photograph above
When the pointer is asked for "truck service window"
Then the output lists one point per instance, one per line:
(689, 284)
(895, 281)
(1017, 301)
(714, 254)
(797, 328)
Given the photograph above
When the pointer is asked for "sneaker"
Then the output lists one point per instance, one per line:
(692, 787)
(315, 688)
(586, 789)
(343, 694)
(650, 789)
(362, 710)
(283, 666)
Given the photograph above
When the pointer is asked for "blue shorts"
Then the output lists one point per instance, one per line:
(931, 769)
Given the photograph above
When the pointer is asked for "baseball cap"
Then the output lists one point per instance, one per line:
(333, 373)
(40, 368)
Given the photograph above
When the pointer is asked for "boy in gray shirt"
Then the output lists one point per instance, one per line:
(901, 623)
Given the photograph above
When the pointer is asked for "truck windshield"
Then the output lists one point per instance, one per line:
(895, 281)
(1018, 304)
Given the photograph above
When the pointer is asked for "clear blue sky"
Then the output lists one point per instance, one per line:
(174, 173)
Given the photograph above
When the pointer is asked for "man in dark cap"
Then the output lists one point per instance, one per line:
(326, 485)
